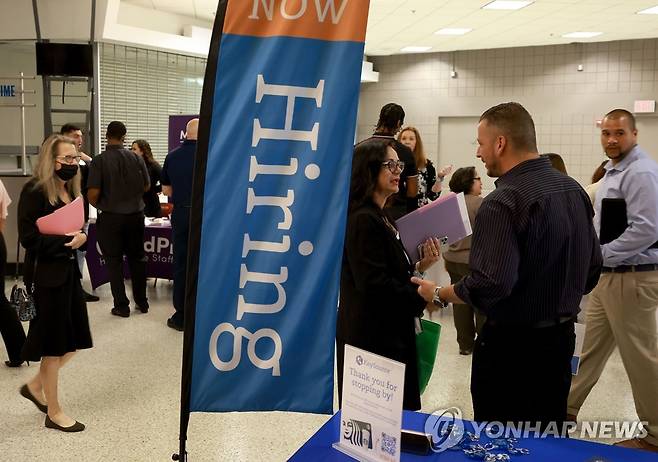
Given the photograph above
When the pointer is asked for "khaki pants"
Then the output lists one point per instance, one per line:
(468, 321)
(622, 312)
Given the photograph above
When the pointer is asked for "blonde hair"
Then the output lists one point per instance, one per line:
(419, 151)
(44, 173)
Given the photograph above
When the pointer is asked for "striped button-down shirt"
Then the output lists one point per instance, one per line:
(534, 252)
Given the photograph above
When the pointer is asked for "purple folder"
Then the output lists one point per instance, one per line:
(446, 216)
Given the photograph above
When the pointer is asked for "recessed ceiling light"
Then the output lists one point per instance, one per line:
(582, 34)
(415, 49)
(506, 5)
(453, 31)
(652, 10)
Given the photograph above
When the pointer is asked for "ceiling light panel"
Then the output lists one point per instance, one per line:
(453, 31)
(582, 34)
(652, 10)
(506, 5)
(415, 49)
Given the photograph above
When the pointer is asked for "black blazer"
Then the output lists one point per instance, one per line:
(378, 302)
(54, 260)
(151, 200)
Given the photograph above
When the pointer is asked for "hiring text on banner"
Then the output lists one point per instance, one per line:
(276, 186)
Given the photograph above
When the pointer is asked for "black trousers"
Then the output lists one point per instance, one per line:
(521, 374)
(11, 328)
(120, 235)
(180, 229)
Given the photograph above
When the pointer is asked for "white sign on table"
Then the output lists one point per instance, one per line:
(371, 416)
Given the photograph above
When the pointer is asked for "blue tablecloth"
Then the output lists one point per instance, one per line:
(318, 448)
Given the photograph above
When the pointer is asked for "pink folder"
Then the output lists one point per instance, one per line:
(447, 216)
(62, 221)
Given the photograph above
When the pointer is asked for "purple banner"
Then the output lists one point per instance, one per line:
(158, 246)
(177, 124)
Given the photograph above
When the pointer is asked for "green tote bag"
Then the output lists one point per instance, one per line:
(427, 343)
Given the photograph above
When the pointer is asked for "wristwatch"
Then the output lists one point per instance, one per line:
(437, 300)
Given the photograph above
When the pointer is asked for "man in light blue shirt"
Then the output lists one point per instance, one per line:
(622, 308)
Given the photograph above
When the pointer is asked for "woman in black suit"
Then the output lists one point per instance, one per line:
(61, 326)
(379, 306)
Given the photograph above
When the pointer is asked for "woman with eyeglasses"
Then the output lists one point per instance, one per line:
(429, 180)
(61, 326)
(379, 307)
(468, 321)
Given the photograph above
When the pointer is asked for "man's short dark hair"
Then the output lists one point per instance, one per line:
(391, 116)
(68, 128)
(617, 114)
(116, 130)
(515, 123)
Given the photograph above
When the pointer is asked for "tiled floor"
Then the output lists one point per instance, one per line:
(126, 390)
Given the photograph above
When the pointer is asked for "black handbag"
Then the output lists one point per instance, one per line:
(23, 302)
(22, 299)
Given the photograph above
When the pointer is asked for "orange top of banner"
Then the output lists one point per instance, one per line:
(335, 20)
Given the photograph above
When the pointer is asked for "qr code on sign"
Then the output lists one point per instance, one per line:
(389, 444)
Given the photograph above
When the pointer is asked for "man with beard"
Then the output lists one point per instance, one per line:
(622, 308)
(534, 254)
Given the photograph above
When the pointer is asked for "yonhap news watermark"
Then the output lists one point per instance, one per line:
(447, 429)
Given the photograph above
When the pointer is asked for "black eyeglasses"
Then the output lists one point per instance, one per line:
(69, 159)
(392, 165)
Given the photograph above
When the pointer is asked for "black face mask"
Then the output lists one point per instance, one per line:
(66, 172)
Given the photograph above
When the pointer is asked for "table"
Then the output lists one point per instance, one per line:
(318, 448)
(157, 245)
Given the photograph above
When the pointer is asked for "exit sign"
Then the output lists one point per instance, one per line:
(8, 91)
(644, 106)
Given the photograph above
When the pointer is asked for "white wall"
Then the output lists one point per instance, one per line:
(565, 103)
(19, 57)
(58, 19)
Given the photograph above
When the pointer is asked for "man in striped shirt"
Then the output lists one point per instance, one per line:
(534, 254)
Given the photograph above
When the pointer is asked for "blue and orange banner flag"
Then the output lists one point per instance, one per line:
(271, 185)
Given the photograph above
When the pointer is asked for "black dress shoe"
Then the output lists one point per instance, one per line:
(171, 323)
(465, 351)
(27, 394)
(142, 308)
(11, 363)
(90, 297)
(124, 313)
(76, 427)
